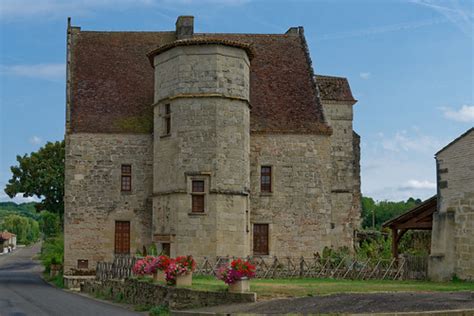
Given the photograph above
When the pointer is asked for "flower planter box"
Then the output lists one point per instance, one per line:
(159, 276)
(184, 279)
(241, 286)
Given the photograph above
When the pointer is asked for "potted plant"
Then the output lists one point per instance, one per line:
(158, 266)
(140, 268)
(237, 275)
(180, 271)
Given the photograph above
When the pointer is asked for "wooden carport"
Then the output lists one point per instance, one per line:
(418, 218)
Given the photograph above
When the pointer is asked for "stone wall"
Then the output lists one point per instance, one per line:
(93, 198)
(206, 89)
(452, 247)
(298, 210)
(345, 171)
(136, 292)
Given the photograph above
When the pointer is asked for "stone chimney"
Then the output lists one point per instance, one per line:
(184, 27)
(297, 30)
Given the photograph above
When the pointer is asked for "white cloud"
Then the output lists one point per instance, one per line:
(18, 198)
(35, 140)
(464, 114)
(400, 165)
(417, 184)
(458, 13)
(417, 142)
(52, 71)
(365, 75)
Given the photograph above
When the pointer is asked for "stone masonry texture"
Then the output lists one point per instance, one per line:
(452, 246)
(230, 113)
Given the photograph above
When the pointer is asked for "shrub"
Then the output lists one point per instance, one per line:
(161, 310)
(52, 252)
(50, 224)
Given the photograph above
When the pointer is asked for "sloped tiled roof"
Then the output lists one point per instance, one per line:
(6, 235)
(334, 88)
(111, 88)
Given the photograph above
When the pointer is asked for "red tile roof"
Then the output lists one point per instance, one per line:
(334, 88)
(6, 235)
(112, 82)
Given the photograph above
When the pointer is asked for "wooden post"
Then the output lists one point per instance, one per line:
(395, 243)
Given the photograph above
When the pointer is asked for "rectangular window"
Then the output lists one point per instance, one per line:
(167, 119)
(126, 178)
(266, 179)
(122, 237)
(197, 196)
(166, 249)
(82, 264)
(260, 239)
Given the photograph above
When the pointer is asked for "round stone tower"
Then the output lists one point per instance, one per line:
(201, 148)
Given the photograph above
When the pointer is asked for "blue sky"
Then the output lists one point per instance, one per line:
(409, 63)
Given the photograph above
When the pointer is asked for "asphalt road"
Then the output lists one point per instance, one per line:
(23, 292)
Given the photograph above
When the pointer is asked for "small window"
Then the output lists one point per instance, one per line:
(82, 264)
(197, 196)
(166, 249)
(126, 179)
(266, 179)
(167, 119)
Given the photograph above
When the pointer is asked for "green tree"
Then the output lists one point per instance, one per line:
(50, 224)
(379, 212)
(25, 229)
(40, 174)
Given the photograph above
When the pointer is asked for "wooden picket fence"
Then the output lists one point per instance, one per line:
(405, 268)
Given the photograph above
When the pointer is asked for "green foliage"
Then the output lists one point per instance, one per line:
(40, 174)
(52, 252)
(23, 209)
(379, 212)
(142, 308)
(161, 310)
(50, 224)
(378, 248)
(26, 229)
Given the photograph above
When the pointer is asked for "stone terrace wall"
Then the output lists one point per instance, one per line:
(93, 199)
(134, 291)
(452, 246)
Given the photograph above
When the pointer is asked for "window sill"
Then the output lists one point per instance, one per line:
(165, 136)
(266, 193)
(126, 192)
(197, 214)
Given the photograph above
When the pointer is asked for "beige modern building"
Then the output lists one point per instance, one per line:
(452, 238)
(205, 144)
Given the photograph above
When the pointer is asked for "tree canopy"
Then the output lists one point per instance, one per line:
(374, 214)
(40, 174)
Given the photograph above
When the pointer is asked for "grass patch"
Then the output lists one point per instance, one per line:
(271, 288)
(58, 280)
(142, 308)
(161, 310)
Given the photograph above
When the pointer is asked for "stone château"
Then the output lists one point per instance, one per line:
(205, 144)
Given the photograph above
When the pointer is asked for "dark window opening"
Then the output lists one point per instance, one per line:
(266, 179)
(167, 118)
(126, 178)
(166, 249)
(198, 196)
(82, 264)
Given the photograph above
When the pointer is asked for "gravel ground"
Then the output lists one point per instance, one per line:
(355, 303)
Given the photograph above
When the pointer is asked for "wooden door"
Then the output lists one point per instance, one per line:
(122, 237)
(260, 239)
